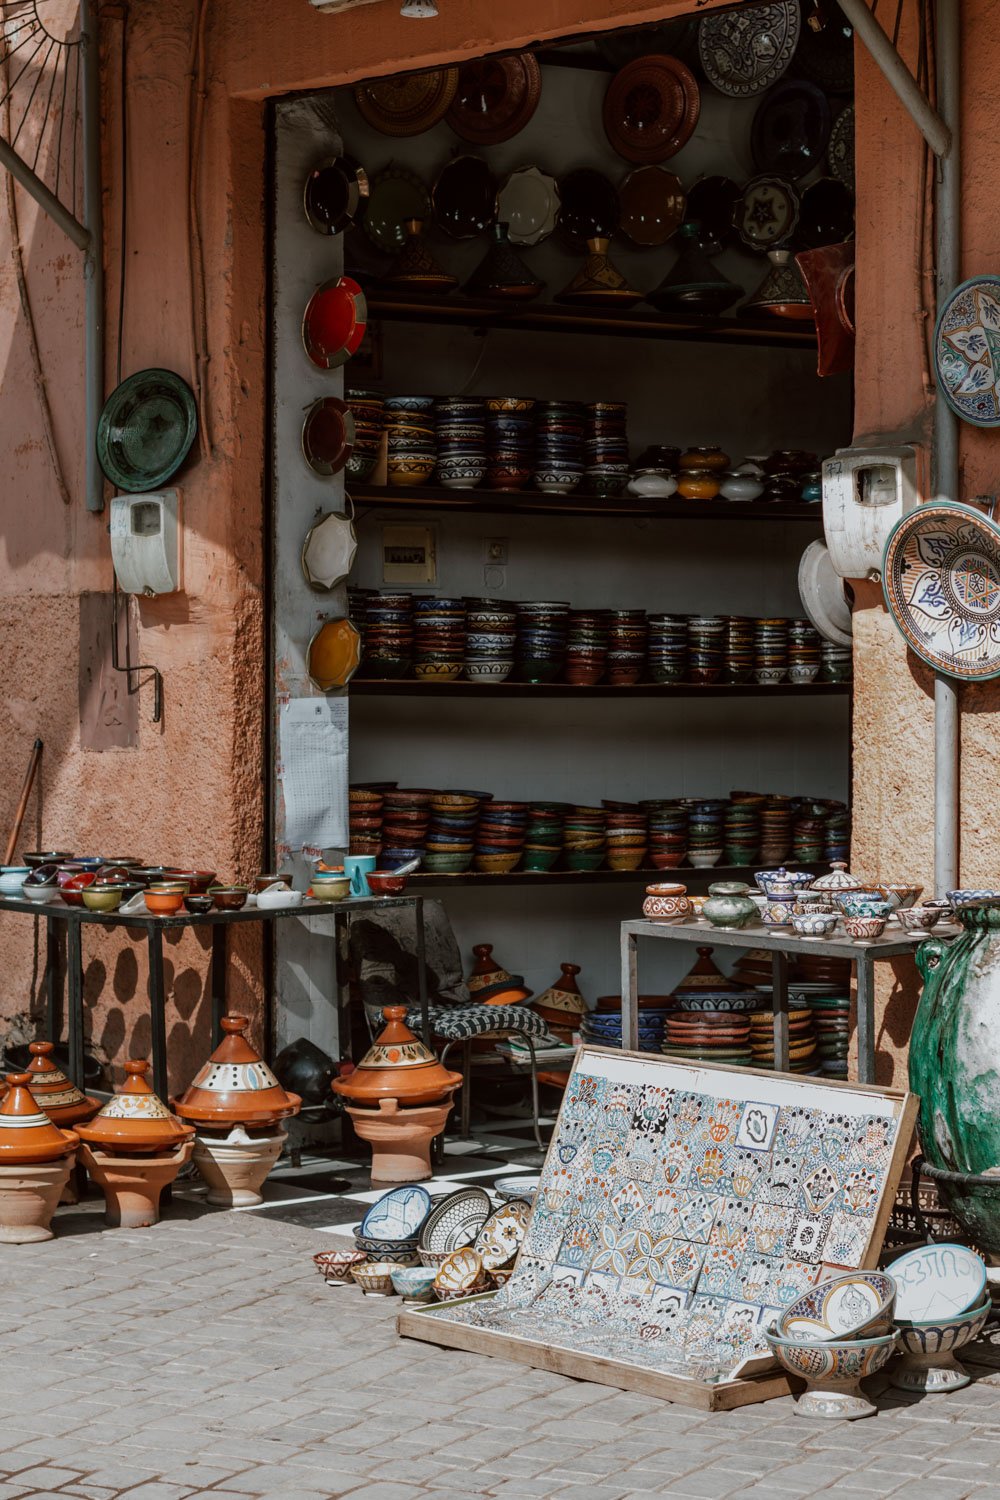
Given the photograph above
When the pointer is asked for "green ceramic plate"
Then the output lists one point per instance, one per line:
(146, 429)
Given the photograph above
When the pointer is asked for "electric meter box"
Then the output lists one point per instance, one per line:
(146, 542)
(865, 492)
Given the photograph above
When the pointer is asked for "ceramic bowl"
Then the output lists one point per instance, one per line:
(199, 905)
(814, 925)
(38, 892)
(337, 1265)
(197, 881)
(917, 920)
(330, 890)
(42, 875)
(832, 1370)
(864, 929)
(899, 894)
(508, 1188)
(229, 897)
(164, 900)
(35, 857)
(375, 1278)
(386, 883)
(666, 902)
(433, 1260)
(12, 879)
(414, 1283)
(102, 897)
(928, 1350)
(859, 1305)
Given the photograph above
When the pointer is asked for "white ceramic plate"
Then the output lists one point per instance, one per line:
(822, 593)
(936, 1282)
(528, 203)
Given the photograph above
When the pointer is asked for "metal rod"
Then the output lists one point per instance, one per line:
(630, 990)
(53, 982)
(220, 960)
(779, 1002)
(157, 1009)
(93, 269)
(74, 968)
(927, 120)
(866, 1018)
(46, 200)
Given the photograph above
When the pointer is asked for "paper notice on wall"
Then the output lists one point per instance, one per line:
(312, 772)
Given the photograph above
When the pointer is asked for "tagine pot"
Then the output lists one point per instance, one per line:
(35, 1161)
(235, 1086)
(490, 983)
(399, 1067)
(53, 1092)
(561, 1006)
(235, 1166)
(134, 1149)
(132, 1184)
(400, 1138)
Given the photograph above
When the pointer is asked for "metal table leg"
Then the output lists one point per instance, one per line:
(779, 979)
(54, 988)
(866, 1018)
(74, 970)
(630, 992)
(425, 1025)
(220, 959)
(157, 1010)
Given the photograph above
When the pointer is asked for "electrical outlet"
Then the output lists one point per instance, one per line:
(494, 577)
(496, 550)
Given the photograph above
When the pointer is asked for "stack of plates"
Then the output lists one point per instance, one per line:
(668, 833)
(412, 445)
(832, 1022)
(737, 649)
(558, 446)
(604, 1028)
(803, 651)
(626, 835)
(365, 808)
(801, 1040)
(451, 833)
(584, 838)
(587, 653)
(540, 649)
(626, 646)
(510, 442)
(835, 663)
(770, 645)
(709, 1037)
(368, 409)
(543, 837)
(387, 631)
(606, 448)
(489, 643)
(706, 645)
(439, 639)
(500, 837)
(405, 818)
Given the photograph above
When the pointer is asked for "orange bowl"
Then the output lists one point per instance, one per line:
(164, 900)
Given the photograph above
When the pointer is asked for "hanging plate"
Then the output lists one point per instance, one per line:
(407, 104)
(328, 436)
(967, 351)
(335, 191)
(465, 198)
(652, 205)
(528, 203)
(396, 196)
(826, 57)
(329, 550)
(333, 323)
(826, 214)
(495, 98)
(589, 207)
(744, 51)
(840, 151)
(712, 204)
(941, 580)
(146, 429)
(790, 130)
(767, 213)
(334, 655)
(651, 109)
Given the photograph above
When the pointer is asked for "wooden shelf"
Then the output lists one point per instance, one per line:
(408, 688)
(695, 880)
(637, 322)
(531, 502)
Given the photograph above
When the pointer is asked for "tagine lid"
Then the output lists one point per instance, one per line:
(490, 983)
(26, 1132)
(61, 1100)
(136, 1119)
(705, 978)
(839, 879)
(564, 995)
(235, 1085)
(397, 1066)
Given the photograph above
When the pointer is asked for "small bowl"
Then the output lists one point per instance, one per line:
(859, 1305)
(199, 904)
(229, 897)
(916, 920)
(375, 1278)
(38, 892)
(42, 875)
(261, 883)
(814, 925)
(197, 881)
(414, 1283)
(510, 1188)
(864, 929)
(330, 890)
(164, 900)
(35, 857)
(12, 878)
(337, 1266)
(386, 883)
(102, 896)
(71, 887)
(899, 894)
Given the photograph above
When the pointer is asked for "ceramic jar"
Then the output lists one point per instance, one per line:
(729, 905)
(741, 487)
(710, 458)
(666, 902)
(698, 484)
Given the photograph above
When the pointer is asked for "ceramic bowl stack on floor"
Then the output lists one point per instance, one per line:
(388, 636)
(824, 985)
(738, 649)
(803, 651)
(943, 1300)
(500, 837)
(389, 1233)
(460, 429)
(540, 644)
(409, 422)
(706, 641)
(606, 448)
(833, 1337)
(626, 835)
(801, 1040)
(627, 635)
(438, 639)
(451, 833)
(603, 1026)
(584, 838)
(666, 648)
(709, 1037)
(558, 446)
(770, 652)
(510, 442)
(587, 647)
(405, 820)
(489, 641)
(365, 820)
(543, 835)
(668, 833)
(368, 410)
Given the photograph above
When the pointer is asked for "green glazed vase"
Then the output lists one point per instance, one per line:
(728, 905)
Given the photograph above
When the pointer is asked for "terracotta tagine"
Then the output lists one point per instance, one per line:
(502, 275)
(134, 1149)
(490, 982)
(397, 1066)
(136, 1119)
(35, 1161)
(235, 1086)
(60, 1099)
(562, 1005)
(415, 268)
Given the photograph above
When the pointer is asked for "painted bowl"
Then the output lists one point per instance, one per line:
(433, 1260)
(864, 929)
(102, 896)
(899, 894)
(41, 875)
(386, 883)
(928, 1350)
(375, 1278)
(772, 882)
(197, 881)
(414, 1283)
(200, 904)
(229, 897)
(814, 925)
(337, 1266)
(863, 904)
(917, 920)
(508, 1188)
(856, 1306)
(832, 1371)
(164, 900)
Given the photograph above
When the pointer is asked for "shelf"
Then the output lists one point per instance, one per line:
(686, 875)
(466, 312)
(407, 688)
(531, 502)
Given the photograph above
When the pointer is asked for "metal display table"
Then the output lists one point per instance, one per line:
(75, 918)
(781, 945)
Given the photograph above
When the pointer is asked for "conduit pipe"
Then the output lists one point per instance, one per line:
(937, 132)
(93, 264)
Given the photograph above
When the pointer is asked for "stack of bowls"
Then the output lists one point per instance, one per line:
(451, 833)
(626, 836)
(409, 422)
(770, 652)
(602, 1027)
(808, 833)
(368, 410)
(837, 834)
(388, 1252)
(606, 448)
(709, 1036)
(738, 649)
(584, 838)
(835, 1335)
(705, 833)
(543, 835)
(836, 662)
(706, 639)
(500, 837)
(831, 1016)
(666, 648)
(803, 651)
(776, 818)
(540, 646)
(558, 446)
(388, 636)
(365, 814)
(510, 442)
(439, 639)
(489, 641)
(405, 819)
(741, 833)
(668, 834)
(587, 647)
(627, 634)
(461, 442)
(801, 1040)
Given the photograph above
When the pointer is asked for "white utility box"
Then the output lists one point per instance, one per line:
(865, 492)
(146, 542)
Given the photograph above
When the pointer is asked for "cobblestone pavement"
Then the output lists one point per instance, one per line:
(206, 1357)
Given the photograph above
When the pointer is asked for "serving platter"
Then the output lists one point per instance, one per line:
(967, 351)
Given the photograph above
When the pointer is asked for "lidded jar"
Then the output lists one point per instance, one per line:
(397, 1066)
(136, 1119)
(729, 905)
(61, 1100)
(235, 1086)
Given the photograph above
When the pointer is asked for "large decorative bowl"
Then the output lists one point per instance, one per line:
(859, 1305)
(928, 1350)
(833, 1372)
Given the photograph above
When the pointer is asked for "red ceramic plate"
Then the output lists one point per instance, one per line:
(495, 98)
(328, 436)
(651, 109)
(334, 323)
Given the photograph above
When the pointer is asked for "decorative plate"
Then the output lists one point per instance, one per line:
(767, 213)
(495, 98)
(941, 580)
(967, 351)
(503, 1233)
(528, 203)
(652, 205)
(334, 655)
(335, 191)
(859, 1305)
(840, 150)
(937, 1281)
(328, 436)
(465, 198)
(456, 1220)
(651, 109)
(712, 204)
(589, 207)
(826, 214)
(398, 1214)
(460, 1272)
(678, 38)
(791, 130)
(821, 590)
(395, 196)
(408, 103)
(328, 552)
(744, 51)
(333, 323)
(146, 429)
(826, 57)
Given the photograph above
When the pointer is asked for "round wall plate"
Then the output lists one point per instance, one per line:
(744, 50)
(334, 655)
(335, 191)
(333, 324)
(146, 430)
(967, 351)
(328, 552)
(407, 103)
(328, 433)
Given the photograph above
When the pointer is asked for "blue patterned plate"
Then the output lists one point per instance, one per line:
(398, 1214)
(967, 351)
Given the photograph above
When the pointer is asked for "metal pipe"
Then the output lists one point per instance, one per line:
(935, 131)
(93, 267)
(947, 258)
(45, 199)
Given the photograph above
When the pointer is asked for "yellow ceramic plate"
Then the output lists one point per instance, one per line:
(334, 655)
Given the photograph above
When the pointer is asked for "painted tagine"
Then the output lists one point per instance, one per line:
(236, 1104)
(60, 1099)
(134, 1149)
(35, 1160)
(561, 1006)
(490, 983)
